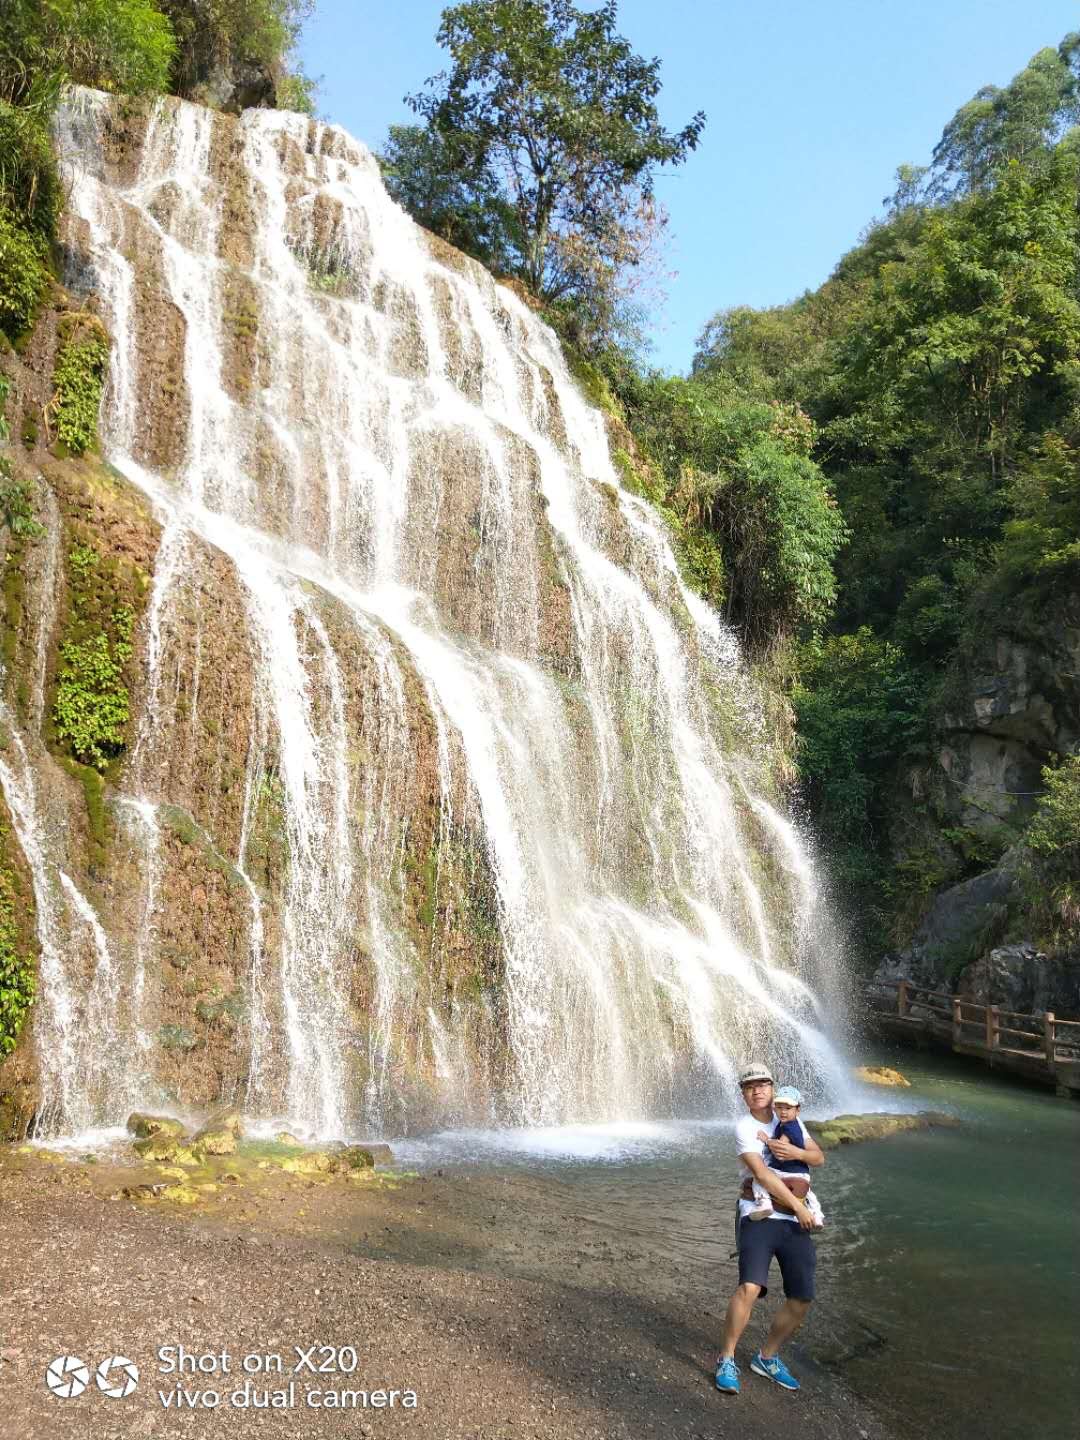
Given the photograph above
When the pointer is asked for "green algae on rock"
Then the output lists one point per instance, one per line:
(850, 1129)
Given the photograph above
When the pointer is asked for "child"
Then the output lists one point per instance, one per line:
(786, 1104)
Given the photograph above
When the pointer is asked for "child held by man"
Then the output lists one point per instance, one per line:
(796, 1173)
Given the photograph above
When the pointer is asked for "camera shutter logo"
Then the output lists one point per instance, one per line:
(117, 1376)
(67, 1377)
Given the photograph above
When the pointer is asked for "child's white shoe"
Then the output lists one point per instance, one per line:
(762, 1204)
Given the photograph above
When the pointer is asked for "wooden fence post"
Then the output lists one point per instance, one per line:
(1048, 1036)
(902, 998)
(992, 1023)
(957, 1033)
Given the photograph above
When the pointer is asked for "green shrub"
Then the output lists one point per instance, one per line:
(16, 511)
(1041, 542)
(297, 91)
(79, 375)
(23, 277)
(1055, 827)
(860, 707)
(121, 45)
(92, 708)
(1053, 838)
(30, 188)
(16, 968)
(753, 511)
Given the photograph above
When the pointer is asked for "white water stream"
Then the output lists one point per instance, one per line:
(410, 474)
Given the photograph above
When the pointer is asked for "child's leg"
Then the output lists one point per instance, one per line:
(814, 1206)
(762, 1203)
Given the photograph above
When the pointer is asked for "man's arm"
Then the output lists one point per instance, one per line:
(810, 1154)
(770, 1180)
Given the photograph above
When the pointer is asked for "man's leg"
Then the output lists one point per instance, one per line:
(784, 1324)
(756, 1244)
(738, 1313)
(797, 1258)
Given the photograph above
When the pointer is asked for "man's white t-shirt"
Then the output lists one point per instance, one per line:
(747, 1142)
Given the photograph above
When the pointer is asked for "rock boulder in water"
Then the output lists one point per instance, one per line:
(166, 1149)
(143, 1126)
(312, 1162)
(881, 1075)
(215, 1140)
(363, 1157)
(231, 1120)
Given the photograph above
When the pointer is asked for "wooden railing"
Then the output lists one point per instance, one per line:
(982, 1028)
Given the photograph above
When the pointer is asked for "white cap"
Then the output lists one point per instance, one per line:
(755, 1071)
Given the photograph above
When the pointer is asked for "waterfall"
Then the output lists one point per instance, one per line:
(528, 869)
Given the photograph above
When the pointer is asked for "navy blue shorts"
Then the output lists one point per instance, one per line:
(796, 1254)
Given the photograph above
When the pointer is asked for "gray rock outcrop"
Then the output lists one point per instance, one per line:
(1018, 706)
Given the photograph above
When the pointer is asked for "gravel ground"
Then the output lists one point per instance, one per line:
(490, 1352)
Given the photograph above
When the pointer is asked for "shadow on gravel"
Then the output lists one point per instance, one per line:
(647, 1364)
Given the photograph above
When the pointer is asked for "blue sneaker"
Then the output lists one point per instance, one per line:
(773, 1369)
(727, 1377)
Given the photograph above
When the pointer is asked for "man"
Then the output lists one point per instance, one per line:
(785, 1235)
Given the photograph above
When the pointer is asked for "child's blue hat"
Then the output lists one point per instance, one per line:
(788, 1095)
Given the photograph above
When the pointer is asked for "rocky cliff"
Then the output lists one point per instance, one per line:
(1011, 707)
(365, 759)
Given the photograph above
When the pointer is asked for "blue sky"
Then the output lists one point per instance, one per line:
(811, 106)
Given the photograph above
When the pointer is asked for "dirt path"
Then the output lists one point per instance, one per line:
(488, 1355)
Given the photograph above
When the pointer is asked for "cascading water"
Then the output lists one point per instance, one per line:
(451, 609)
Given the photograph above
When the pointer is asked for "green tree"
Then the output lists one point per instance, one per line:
(226, 36)
(1041, 538)
(424, 173)
(1022, 122)
(939, 366)
(860, 708)
(1053, 837)
(555, 109)
(950, 339)
(739, 475)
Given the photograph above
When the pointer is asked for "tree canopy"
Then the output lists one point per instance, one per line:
(550, 119)
(939, 366)
(1028, 118)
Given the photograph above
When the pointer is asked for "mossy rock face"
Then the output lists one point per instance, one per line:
(216, 1140)
(881, 1075)
(850, 1129)
(356, 1157)
(17, 1109)
(230, 1120)
(143, 1125)
(362, 1157)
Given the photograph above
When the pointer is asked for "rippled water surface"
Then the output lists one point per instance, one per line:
(949, 1272)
